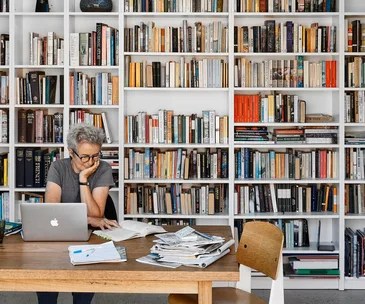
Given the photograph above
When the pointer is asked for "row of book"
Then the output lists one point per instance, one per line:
(288, 37)
(176, 164)
(98, 48)
(285, 73)
(354, 252)
(47, 50)
(38, 88)
(281, 6)
(164, 222)
(37, 126)
(176, 199)
(167, 128)
(292, 164)
(354, 198)
(355, 72)
(315, 266)
(269, 108)
(355, 137)
(296, 232)
(308, 135)
(202, 73)
(355, 36)
(175, 6)
(355, 166)
(4, 206)
(355, 106)
(32, 164)
(258, 198)
(101, 89)
(197, 38)
(98, 120)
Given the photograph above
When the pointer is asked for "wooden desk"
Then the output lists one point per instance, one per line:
(45, 266)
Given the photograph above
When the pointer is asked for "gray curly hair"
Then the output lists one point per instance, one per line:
(84, 133)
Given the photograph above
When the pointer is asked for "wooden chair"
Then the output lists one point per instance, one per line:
(260, 248)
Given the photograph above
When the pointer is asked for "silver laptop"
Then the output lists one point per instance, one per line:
(54, 222)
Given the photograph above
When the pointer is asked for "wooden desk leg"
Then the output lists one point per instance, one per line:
(205, 292)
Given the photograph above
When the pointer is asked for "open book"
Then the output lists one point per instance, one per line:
(129, 230)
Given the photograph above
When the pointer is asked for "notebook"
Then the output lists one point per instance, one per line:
(96, 253)
(54, 222)
(129, 230)
(323, 247)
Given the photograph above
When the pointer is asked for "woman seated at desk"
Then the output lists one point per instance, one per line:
(81, 178)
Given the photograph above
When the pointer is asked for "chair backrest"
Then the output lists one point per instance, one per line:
(261, 247)
(110, 212)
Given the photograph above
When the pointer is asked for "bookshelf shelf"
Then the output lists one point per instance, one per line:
(176, 181)
(284, 54)
(152, 14)
(94, 106)
(354, 54)
(277, 146)
(354, 181)
(38, 67)
(288, 215)
(179, 216)
(55, 106)
(175, 146)
(179, 89)
(94, 14)
(355, 217)
(97, 67)
(30, 189)
(44, 145)
(288, 15)
(286, 181)
(237, 89)
(286, 124)
(42, 15)
(176, 54)
(312, 249)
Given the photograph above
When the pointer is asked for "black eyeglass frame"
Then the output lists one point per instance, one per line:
(86, 158)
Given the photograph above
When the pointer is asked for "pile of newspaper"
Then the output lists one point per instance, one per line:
(186, 247)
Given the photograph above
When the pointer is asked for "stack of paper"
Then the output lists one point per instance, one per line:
(187, 247)
(98, 253)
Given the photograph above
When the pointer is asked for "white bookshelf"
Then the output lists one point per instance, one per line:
(65, 17)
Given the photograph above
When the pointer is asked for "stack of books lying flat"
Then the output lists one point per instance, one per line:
(12, 228)
(187, 247)
(315, 266)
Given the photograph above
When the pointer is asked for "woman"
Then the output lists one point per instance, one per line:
(81, 178)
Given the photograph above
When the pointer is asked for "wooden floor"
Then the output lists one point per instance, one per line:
(291, 297)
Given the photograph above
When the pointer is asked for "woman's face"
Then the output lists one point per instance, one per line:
(85, 156)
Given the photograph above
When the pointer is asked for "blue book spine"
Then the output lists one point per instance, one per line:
(238, 164)
(99, 89)
(146, 166)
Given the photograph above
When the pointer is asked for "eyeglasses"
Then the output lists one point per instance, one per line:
(86, 158)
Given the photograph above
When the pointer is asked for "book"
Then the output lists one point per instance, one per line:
(93, 254)
(12, 228)
(129, 230)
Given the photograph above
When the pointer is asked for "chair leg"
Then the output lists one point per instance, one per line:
(245, 279)
(277, 287)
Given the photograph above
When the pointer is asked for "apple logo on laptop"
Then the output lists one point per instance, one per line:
(54, 222)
